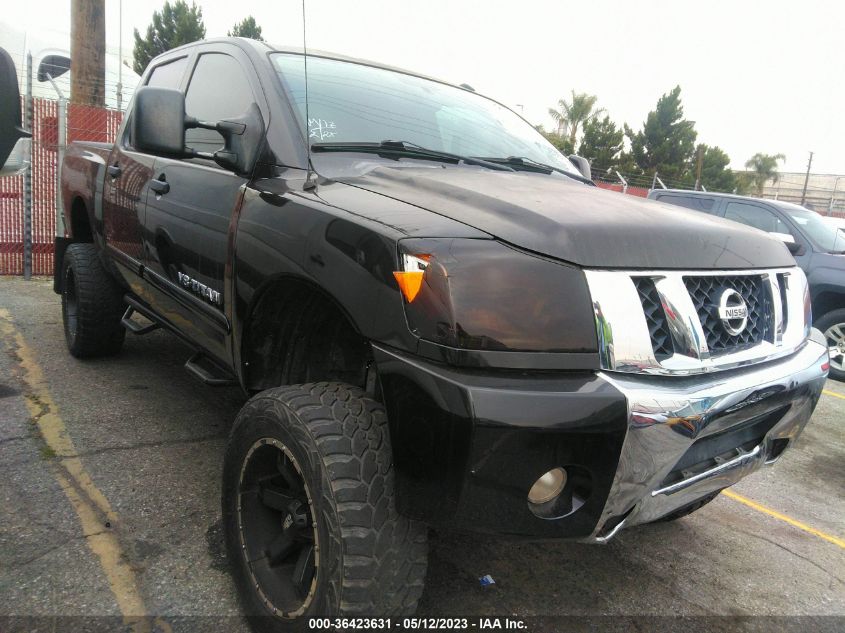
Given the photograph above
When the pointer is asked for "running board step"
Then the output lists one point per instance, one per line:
(206, 372)
(137, 328)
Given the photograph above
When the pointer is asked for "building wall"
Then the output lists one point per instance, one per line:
(825, 192)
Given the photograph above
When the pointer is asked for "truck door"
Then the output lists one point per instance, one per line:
(191, 205)
(126, 184)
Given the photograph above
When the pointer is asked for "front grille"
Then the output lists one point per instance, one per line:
(664, 322)
(658, 327)
(705, 292)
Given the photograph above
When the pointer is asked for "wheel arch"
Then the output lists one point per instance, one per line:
(296, 331)
(826, 301)
(80, 228)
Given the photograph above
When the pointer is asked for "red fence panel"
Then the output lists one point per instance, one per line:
(87, 123)
(640, 192)
(44, 154)
(11, 225)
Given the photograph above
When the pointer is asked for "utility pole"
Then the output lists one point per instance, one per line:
(120, 57)
(88, 51)
(700, 161)
(806, 179)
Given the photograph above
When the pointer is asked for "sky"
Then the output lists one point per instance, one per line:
(755, 76)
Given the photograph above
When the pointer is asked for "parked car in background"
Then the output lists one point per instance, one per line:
(817, 246)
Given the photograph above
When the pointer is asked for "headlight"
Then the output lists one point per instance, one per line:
(484, 295)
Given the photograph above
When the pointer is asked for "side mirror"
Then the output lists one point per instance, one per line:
(794, 247)
(10, 108)
(242, 141)
(53, 66)
(158, 121)
(582, 165)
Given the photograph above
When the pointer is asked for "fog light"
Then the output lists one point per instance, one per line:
(548, 486)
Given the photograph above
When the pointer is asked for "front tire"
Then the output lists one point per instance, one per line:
(308, 510)
(92, 304)
(832, 326)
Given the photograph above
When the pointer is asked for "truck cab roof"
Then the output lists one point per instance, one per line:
(265, 47)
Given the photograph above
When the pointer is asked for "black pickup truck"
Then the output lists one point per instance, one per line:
(439, 320)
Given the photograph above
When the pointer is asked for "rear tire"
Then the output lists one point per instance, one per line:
(92, 304)
(308, 510)
(832, 326)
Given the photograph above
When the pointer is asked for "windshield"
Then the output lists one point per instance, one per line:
(820, 232)
(351, 102)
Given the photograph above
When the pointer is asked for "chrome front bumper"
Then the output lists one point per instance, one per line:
(668, 415)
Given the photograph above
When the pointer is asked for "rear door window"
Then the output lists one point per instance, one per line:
(168, 75)
(696, 203)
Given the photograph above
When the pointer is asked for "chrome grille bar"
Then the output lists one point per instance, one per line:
(628, 320)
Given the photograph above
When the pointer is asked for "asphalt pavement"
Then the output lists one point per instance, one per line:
(109, 506)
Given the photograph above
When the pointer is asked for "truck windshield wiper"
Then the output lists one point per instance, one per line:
(529, 164)
(405, 148)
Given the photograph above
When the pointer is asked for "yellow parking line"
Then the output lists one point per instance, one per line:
(104, 544)
(832, 393)
(778, 515)
(89, 503)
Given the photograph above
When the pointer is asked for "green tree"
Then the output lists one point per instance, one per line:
(602, 143)
(573, 114)
(561, 143)
(715, 174)
(247, 28)
(177, 24)
(763, 168)
(667, 140)
(743, 183)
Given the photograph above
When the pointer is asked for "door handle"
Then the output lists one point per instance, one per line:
(114, 171)
(160, 185)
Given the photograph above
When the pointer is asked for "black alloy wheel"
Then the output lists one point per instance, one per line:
(277, 529)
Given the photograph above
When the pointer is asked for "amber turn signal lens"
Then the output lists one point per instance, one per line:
(410, 283)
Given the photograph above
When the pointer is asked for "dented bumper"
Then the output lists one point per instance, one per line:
(690, 437)
(469, 444)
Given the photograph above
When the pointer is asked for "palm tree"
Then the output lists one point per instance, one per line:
(764, 168)
(575, 113)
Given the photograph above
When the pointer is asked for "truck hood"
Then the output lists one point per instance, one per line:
(568, 220)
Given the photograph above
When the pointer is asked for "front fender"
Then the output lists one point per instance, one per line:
(282, 232)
